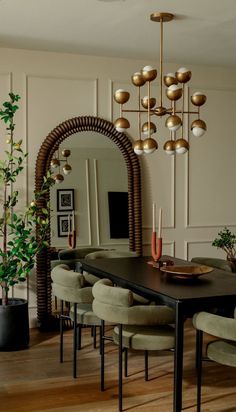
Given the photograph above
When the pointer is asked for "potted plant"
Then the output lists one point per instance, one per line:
(227, 242)
(19, 244)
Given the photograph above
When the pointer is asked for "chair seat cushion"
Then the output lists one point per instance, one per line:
(223, 352)
(146, 337)
(85, 315)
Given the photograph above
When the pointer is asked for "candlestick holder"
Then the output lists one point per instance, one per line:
(157, 262)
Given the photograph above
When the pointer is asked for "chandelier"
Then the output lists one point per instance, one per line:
(56, 163)
(176, 115)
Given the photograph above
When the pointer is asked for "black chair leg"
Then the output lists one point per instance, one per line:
(79, 329)
(199, 367)
(126, 361)
(102, 349)
(94, 337)
(75, 342)
(61, 332)
(120, 368)
(146, 364)
(100, 340)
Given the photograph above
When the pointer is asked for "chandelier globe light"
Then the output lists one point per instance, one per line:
(175, 84)
(56, 163)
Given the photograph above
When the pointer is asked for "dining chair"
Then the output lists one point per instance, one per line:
(138, 327)
(222, 350)
(72, 288)
(110, 254)
(214, 262)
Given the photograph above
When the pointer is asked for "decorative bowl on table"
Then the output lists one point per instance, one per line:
(186, 272)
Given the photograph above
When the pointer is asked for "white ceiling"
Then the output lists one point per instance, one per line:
(204, 31)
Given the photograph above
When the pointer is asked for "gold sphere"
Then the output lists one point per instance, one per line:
(145, 128)
(65, 152)
(169, 147)
(148, 73)
(149, 145)
(183, 75)
(170, 79)
(121, 96)
(198, 99)
(58, 178)
(181, 146)
(67, 169)
(138, 147)
(174, 92)
(55, 163)
(138, 79)
(121, 124)
(199, 123)
(173, 122)
(152, 102)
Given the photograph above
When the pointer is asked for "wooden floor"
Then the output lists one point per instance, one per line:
(33, 380)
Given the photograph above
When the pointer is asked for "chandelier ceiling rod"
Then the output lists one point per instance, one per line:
(174, 92)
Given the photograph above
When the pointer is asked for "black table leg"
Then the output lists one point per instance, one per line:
(178, 358)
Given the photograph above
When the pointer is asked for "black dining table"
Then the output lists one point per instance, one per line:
(216, 289)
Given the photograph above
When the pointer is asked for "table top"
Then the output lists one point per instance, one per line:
(136, 274)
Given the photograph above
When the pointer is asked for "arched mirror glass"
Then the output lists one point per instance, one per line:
(91, 183)
(92, 200)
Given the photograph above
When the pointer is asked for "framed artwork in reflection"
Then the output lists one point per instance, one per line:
(62, 225)
(65, 200)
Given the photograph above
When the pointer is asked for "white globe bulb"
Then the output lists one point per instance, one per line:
(198, 131)
(120, 129)
(147, 68)
(174, 87)
(181, 150)
(138, 151)
(170, 152)
(182, 70)
(149, 151)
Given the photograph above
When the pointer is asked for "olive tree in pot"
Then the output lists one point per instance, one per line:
(226, 241)
(19, 245)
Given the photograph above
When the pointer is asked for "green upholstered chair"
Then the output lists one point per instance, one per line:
(215, 263)
(71, 287)
(109, 254)
(222, 350)
(77, 253)
(140, 327)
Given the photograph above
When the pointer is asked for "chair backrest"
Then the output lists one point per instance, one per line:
(69, 286)
(78, 253)
(106, 254)
(116, 305)
(214, 262)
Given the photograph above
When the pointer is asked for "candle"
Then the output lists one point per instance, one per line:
(160, 223)
(73, 221)
(154, 217)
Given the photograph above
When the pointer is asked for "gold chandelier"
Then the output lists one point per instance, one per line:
(56, 163)
(175, 90)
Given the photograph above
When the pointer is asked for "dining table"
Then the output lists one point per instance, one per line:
(186, 295)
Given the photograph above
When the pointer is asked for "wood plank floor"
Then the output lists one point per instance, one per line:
(33, 380)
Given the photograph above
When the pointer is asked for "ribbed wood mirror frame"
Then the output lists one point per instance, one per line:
(45, 154)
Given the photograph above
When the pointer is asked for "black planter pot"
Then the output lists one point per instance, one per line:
(14, 325)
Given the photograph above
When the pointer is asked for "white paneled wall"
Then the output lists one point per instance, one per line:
(196, 191)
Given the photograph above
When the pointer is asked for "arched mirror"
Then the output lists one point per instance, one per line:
(71, 130)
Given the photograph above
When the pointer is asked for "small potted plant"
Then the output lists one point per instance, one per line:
(227, 242)
(19, 244)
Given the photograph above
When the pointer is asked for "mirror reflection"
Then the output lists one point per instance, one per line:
(92, 200)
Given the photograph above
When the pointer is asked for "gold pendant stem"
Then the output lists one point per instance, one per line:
(161, 57)
(149, 122)
(139, 115)
(183, 113)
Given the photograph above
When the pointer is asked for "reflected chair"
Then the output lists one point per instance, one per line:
(71, 288)
(222, 350)
(139, 327)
